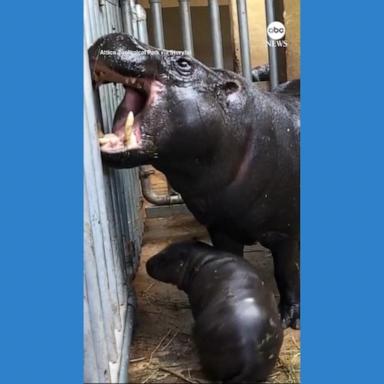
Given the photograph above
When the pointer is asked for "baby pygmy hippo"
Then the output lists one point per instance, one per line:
(237, 328)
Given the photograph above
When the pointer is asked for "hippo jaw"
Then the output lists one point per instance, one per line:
(129, 141)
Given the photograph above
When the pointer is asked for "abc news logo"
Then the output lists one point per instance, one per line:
(275, 32)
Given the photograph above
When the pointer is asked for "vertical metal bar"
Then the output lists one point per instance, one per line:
(157, 20)
(186, 26)
(90, 368)
(99, 223)
(276, 55)
(244, 39)
(158, 31)
(117, 250)
(134, 19)
(114, 213)
(123, 376)
(111, 27)
(124, 219)
(117, 17)
(99, 241)
(142, 23)
(89, 25)
(93, 297)
(126, 16)
(214, 13)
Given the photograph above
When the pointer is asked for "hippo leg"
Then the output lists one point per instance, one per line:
(223, 242)
(286, 258)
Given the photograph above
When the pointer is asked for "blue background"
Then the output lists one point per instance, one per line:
(41, 192)
(41, 50)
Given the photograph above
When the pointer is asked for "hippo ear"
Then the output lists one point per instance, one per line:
(230, 87)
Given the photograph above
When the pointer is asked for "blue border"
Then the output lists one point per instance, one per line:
(342, 192)
(41, 192)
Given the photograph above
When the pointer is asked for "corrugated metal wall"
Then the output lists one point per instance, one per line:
(113, 224)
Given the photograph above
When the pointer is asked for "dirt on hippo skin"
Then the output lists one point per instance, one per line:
(162, 350)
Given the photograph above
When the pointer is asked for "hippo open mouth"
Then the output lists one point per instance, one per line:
(126, 133)
(140, 94)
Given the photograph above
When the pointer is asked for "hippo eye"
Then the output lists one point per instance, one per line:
(183, 65)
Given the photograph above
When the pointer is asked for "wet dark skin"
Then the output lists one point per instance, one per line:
(231, 150)
(237, 328)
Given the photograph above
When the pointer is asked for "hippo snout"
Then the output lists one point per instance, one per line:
(150, 267)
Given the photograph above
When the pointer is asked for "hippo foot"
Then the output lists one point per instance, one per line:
(290, 315)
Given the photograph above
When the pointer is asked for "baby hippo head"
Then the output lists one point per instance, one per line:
(170, 264)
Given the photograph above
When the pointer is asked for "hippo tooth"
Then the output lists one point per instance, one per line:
(108, 138)
(103, 140)
(128, 126)
(133, 80)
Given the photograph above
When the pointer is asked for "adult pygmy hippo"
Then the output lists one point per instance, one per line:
(230, 150)
(237, 328)
(261, 73)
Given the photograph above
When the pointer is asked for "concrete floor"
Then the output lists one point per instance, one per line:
(162, 350)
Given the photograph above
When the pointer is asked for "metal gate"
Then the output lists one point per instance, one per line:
(113, 224)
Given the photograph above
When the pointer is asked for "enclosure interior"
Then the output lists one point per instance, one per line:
(138, 329)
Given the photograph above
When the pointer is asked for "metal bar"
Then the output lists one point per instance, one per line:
(276, 54)
(126, 16)
(244, 39)
(100, 244)
(151, 196)
(122, 181)
(116, 251)
(110, 26)
(96, 192)
(114, 211)
(186, 26)
(214, 13)
(157, 20)
(121, 178)
(134, 18)
(142, 23)
(129, 320)
(90, 368)
(116, 214)
(93, 298)
(117, 16)
(89, 25)
(158, 37)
